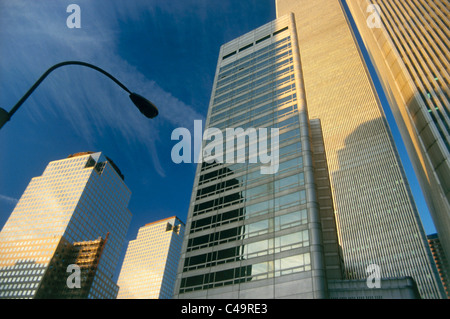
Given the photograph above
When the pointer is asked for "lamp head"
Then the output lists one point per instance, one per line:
(145, 106)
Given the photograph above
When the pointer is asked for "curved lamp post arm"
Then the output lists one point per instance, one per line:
(145, 106)
(43, 76)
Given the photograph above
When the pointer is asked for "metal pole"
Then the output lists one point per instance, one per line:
(6, 116)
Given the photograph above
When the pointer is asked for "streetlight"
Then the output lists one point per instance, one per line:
(145, 106)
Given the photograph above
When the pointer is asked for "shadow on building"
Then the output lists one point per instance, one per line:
(72, 270)
(373, 213)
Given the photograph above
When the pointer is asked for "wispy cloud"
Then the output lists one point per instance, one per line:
(96, 42)
(9, 200)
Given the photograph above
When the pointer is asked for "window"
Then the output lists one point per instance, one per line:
(229, 55)
(279, 31)
(262, 39)
(246, 47)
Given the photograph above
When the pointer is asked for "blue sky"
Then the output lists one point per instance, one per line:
(164, 50)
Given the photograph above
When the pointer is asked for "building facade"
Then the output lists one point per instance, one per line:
(77, 199)
(409, 47)
(248, 234)
(151, 261)
(441, 261)
(377, 219)
(390, 288)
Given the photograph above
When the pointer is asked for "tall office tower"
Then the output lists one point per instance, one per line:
(377, 218)
(252, 233)
(410, 52)
(77, 199)
(150, 265)
(441, 261)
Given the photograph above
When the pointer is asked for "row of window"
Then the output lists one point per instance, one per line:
(29, 275)
(71, 164)
(255, 249)
(264, 270)
(251, 81)
(251, 73)
(289, 219)
(272, 120)
(240, 177)
(255, 54)
(279, 68)
(247, 193)
(262, 101)
(237, 170)
(250, 193)
(214, 170)
(248, 96)
(252, 110)
(294, 199)
(19, 293)
(291, 120)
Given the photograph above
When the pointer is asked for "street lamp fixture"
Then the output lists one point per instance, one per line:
(145, 106)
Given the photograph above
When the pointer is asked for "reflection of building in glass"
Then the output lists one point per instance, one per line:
(150, 265)
(410, 52)
(76, 199)
(251, 235)
(84, 255)
(377, 218)
(234, 236)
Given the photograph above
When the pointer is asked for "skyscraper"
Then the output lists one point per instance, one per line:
(248, 234)
(377, 218)
(409, 47)
(150, 265)
(77, 199)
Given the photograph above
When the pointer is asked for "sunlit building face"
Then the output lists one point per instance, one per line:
(409, 49)
(150, 265)
(376, 213)
(79, 198)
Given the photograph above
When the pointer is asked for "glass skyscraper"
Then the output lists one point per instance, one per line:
(410, 51)
(253, 235)
(150, 265)
(378, 222)
(77, 199)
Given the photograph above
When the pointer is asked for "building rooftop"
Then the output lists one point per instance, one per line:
(110, 161)
(162, 220)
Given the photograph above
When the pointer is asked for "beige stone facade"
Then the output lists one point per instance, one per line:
(410, 53)
(377, 218)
